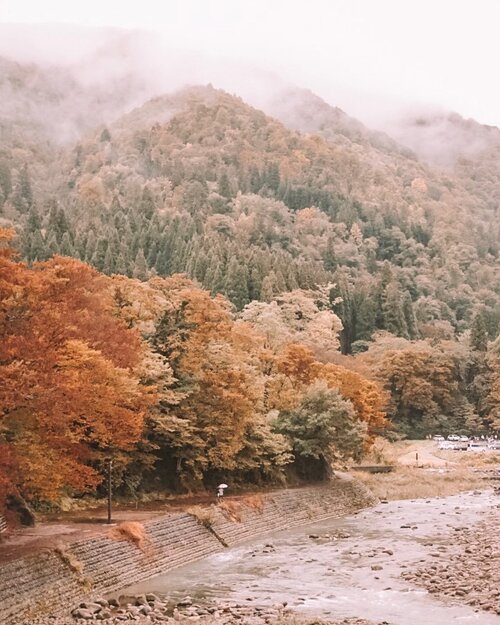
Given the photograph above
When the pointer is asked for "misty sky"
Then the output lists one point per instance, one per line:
(363, 55)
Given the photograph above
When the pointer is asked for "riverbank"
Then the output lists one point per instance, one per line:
(349, 567)
(421, 470)
(421, 483)
(55, 581)
(149, 609)
(467, 569)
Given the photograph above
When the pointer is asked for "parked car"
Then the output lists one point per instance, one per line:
(454, 437)
(478, 446)
(464, 439)
(438, 437)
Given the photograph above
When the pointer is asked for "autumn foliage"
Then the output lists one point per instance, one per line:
(161, 376)
(68, 391)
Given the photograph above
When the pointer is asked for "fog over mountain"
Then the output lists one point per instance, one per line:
(113, 70)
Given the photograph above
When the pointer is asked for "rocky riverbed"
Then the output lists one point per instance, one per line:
(468, 568)
(351, 567)
(149, 609)
(434, 561)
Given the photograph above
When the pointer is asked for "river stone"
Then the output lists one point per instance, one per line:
(152, 597)
(83, 613)
(102, 602)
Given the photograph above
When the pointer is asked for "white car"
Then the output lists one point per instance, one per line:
(454, 437)
(438, 437)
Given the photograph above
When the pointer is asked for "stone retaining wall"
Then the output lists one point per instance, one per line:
(53, 582)
(289, 508)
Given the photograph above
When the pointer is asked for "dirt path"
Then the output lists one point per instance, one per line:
(69, 527)
(25, 541)
(422, 457)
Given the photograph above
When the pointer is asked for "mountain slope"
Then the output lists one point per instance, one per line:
(302, 110)
(200, 182)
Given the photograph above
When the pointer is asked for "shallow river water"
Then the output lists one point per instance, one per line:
(332, 575)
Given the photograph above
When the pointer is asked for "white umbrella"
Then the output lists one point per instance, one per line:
(222, 486)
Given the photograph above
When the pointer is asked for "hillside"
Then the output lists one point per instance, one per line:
(199, 182)
(302, 110)
(469, 150)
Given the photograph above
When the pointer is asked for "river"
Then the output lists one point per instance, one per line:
(346, 567)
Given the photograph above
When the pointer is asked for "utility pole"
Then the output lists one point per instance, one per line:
(110, 468)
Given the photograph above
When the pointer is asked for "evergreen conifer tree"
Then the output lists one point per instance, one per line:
(140, 269)
(224, 187)
(37, 250)
(23, 194)
(109, 264)
(236, 284)
(121, 265)
(5, 180)
(66, 246)
(479, 333)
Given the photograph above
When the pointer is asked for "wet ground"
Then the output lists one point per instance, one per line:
(348, 567)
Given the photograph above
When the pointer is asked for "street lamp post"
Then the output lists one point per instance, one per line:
(110, 468)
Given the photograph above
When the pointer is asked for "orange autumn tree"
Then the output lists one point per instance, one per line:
(209, 419)
(69, 390)
(216, 372)
(296, 369)
(366, 396)
(293, 370)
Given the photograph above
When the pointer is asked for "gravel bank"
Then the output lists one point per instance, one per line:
(467, 569)
(150, 609)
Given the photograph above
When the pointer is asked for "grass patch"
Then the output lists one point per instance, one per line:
(254, 501)
(232, 510)
(204, 516)
(487, 459)
(73, 563)
(413, 483)
(132, 531)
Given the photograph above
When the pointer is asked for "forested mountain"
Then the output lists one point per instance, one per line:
(348, 262)
(201, 183)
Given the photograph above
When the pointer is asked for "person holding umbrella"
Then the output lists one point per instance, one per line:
(220, 491)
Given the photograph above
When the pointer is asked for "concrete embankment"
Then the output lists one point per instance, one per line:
(54, 581)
